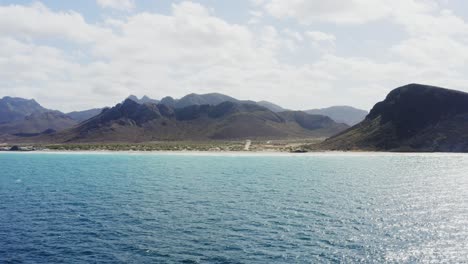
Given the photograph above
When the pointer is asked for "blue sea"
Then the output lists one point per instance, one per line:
(233, 208)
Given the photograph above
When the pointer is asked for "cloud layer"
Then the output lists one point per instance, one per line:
(117, 4)
(69, 63)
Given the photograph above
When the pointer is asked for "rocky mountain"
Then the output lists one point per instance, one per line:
(326, 125)
(198, 99)
(133, 122)
(37, 123)
(341, 114)
(414, 117)
(203, 99)
(22, 118)
(15, 109)
(209, 99)
(169, 101)
(80, 116)
(143, 100)
(273, 107)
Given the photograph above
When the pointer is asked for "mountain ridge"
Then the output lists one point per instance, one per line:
(413, 117)
(15, 108)
(189, 106)
(37, 123)
(341, 113)
(81, 116)
(133, 122)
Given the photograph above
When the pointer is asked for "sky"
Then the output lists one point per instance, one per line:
(300, 54)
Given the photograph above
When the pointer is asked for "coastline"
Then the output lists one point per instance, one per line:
(286, 146)
(236, 153)
(292, 147)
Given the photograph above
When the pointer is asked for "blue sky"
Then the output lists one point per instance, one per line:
(301, 54)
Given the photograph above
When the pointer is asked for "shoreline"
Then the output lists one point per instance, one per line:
(236, 153)
(276, 146)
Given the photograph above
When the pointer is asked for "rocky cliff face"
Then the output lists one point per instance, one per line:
(411, 118)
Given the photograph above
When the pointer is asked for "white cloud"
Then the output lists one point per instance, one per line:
(257, 2)
(322, 41)
(37, 21)
(117, 4)
(296, 35)
(439, 38)
(435, 48)
(191, 49)
(152, 54)
(256, 17)
(41, 72)
(343, 11)
(439, 23)
(318, 36)
(433, 51)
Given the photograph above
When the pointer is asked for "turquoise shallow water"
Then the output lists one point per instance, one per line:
(163, 208)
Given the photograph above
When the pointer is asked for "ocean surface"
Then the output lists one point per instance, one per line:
(231, 208)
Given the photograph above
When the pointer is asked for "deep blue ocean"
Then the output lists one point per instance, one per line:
(196, 208)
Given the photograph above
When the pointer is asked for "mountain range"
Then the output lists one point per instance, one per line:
(192, 117)
(143, 100)
(414, 117)
(341, 114)
(133, 122)
(198, 99)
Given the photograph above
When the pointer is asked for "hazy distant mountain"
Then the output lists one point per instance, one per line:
(213, 99)
(313, 122)
(146, 99)
(37, 123)
(142, 100)
(203, 99)
(133, 122)
(411, 118)
(341, 114)
(273, 107)
(169, 101)
(14, 109)
(198, 99)
(81, 116)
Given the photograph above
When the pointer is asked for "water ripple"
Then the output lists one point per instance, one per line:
(114, 208)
